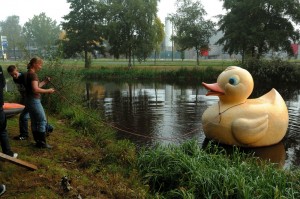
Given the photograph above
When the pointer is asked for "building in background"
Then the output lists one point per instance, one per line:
(169, 51)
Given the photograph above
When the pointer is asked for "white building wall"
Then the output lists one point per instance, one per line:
(168, 34)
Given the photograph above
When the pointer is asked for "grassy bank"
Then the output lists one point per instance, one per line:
(271, 71)
(187, 171)
(97, 168)
(162, 70)
(181, 75)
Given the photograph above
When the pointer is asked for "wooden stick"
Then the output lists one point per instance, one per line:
(18, 162)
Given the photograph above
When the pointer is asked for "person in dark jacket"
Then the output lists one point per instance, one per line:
(3, 132)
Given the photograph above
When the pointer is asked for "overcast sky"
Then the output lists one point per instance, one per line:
(212, 7)
(56, 9)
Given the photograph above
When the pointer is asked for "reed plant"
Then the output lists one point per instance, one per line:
(66, 81)
(187, 171)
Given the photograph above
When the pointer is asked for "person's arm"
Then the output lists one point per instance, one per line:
(37, 89)
(44, 82)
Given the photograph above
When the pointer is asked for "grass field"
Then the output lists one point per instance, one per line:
(159, 64)
(149, 63)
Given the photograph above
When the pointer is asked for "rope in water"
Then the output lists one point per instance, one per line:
(111, 125)
(178, 138)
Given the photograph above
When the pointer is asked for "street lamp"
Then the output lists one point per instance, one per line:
(3, 44)
(134, 44)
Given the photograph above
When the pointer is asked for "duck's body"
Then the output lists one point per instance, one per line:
(244, 122)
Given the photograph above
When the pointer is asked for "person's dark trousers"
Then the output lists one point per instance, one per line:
(3, 135)
(23, 123)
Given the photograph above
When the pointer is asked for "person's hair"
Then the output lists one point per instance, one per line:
(33, 61)
(11, 68)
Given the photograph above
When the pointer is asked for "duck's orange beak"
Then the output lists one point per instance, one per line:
(213, 89)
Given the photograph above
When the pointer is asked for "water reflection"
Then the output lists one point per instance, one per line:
(150, 113)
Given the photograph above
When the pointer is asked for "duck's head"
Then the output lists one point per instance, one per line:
(234, 85)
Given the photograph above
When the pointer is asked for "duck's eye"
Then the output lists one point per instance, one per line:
(233, 81)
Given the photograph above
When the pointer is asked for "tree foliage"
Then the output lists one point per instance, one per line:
(159, 35)
(131, 27)
(84, 27)
(258, 26)
(192, 30)
(11, 28)
(42, 31)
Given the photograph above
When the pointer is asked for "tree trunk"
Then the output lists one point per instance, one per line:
(155, 57)
(243, 57)
(86, 62)
(197, 51)
(129, 58)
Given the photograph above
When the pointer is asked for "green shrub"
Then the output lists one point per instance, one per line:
(272, 71)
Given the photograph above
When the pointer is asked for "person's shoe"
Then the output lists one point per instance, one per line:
(12, 154)
(43, 145)
(2, 189)
(19, 137)
(49, 129)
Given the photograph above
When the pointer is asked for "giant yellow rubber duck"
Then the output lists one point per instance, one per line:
(237, 120)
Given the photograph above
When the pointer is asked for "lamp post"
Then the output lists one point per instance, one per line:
(172, 42)
(3, 44)
(134, 45)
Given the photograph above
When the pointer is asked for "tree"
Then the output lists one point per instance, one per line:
(131, 29)
(84, 27)
(258, 26)
(191, 29)
(12, 30)
(41, 31)
(159, 36)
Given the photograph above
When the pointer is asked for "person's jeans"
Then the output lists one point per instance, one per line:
(3, 134)
(23, 123)
(37, 114)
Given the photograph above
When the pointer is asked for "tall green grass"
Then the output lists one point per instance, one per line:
(187, 171)
(183, 74)
(66, 81)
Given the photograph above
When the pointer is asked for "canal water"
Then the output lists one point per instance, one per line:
(150, 113)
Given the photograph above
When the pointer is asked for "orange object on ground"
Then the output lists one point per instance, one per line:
(11, 109)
